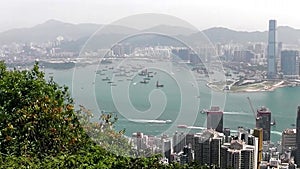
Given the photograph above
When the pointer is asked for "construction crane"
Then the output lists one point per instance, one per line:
(251, 106)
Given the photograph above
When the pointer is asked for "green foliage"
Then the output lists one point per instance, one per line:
(36, 116)
(102, 132)
(92, 157)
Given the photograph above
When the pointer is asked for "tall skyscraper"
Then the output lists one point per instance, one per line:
(259, 134)
(264, 121)
(272, 66)
(297, 159)
(289, 65)
(215, 119)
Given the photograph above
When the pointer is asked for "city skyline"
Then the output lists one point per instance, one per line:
(139, 78)
(252, 15)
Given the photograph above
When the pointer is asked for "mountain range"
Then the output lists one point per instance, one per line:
(79, 33)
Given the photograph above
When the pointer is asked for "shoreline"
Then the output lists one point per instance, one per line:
(250, 89)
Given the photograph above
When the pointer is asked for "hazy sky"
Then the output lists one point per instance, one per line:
(235, 14)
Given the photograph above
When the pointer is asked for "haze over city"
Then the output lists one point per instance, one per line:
(150, 84)
(247, 15)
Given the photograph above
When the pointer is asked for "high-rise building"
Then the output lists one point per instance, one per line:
(215, 119)
(175, 142)
(224, 154)
(189, 140)
(243, 56)
(278, 60)
(178, 142)
(289, 65)
(297, 159)
(237, 155)
(208, 147)
(167, 148)
(139, 140)
(258, 132)
(288, 142)
(272, 66)
(200, 142)
(187, 155)
(264, 121)
(215, 150)
(233, 158)
(227, 134)
(253, 141)
(181, 140)
(247, 158)
(182, 53)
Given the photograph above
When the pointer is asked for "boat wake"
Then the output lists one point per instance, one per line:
(276, 132)
(150, 121)
(237, 113)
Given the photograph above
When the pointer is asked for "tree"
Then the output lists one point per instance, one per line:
(36, 116)
(103, 133)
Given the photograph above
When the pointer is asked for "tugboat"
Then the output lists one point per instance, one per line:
(159, 85)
